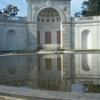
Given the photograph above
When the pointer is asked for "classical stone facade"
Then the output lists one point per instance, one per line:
(49, 25)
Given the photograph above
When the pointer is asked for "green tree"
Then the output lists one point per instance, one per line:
(77, 14)
(10, 10)
(90, 8)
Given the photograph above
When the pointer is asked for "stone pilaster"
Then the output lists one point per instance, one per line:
(2, 43)
(32, 36)
(66, 36)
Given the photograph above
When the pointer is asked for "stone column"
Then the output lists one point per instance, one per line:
(32, 36)
(66, 36)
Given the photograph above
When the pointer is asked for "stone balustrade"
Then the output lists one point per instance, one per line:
(86, 19)
(16, 18)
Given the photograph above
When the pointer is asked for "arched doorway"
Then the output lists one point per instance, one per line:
(48, 29)
(11, 40)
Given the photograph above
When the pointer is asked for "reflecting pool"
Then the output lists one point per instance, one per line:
(54, 72)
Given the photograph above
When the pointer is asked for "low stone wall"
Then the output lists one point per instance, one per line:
(10, 98)
(13, 93)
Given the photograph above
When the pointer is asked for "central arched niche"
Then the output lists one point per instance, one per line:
(48, 29)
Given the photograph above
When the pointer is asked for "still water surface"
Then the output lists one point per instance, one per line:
(55, 72)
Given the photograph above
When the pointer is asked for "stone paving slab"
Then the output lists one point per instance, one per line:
(33, 94)
(85, 96)
(10, 98)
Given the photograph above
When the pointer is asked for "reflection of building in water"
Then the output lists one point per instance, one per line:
(18, 69)
(36, 71)
(86, 65)
(13, 67)
(50, 72)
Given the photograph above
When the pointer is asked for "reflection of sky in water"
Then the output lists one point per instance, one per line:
(24, 87)
(77, 88)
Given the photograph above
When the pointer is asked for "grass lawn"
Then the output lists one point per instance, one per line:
(81, 50)
(17, 52)
(34, 51)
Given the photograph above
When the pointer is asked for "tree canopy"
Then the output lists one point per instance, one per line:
(10, 10)
(89, 8)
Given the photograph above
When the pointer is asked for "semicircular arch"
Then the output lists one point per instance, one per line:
(63, 19)
(11, 30)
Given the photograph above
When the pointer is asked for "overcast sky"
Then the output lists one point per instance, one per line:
(21, 4)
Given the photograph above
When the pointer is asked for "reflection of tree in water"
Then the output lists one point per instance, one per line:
(50, 84)
(16, 83)
(90, 88)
